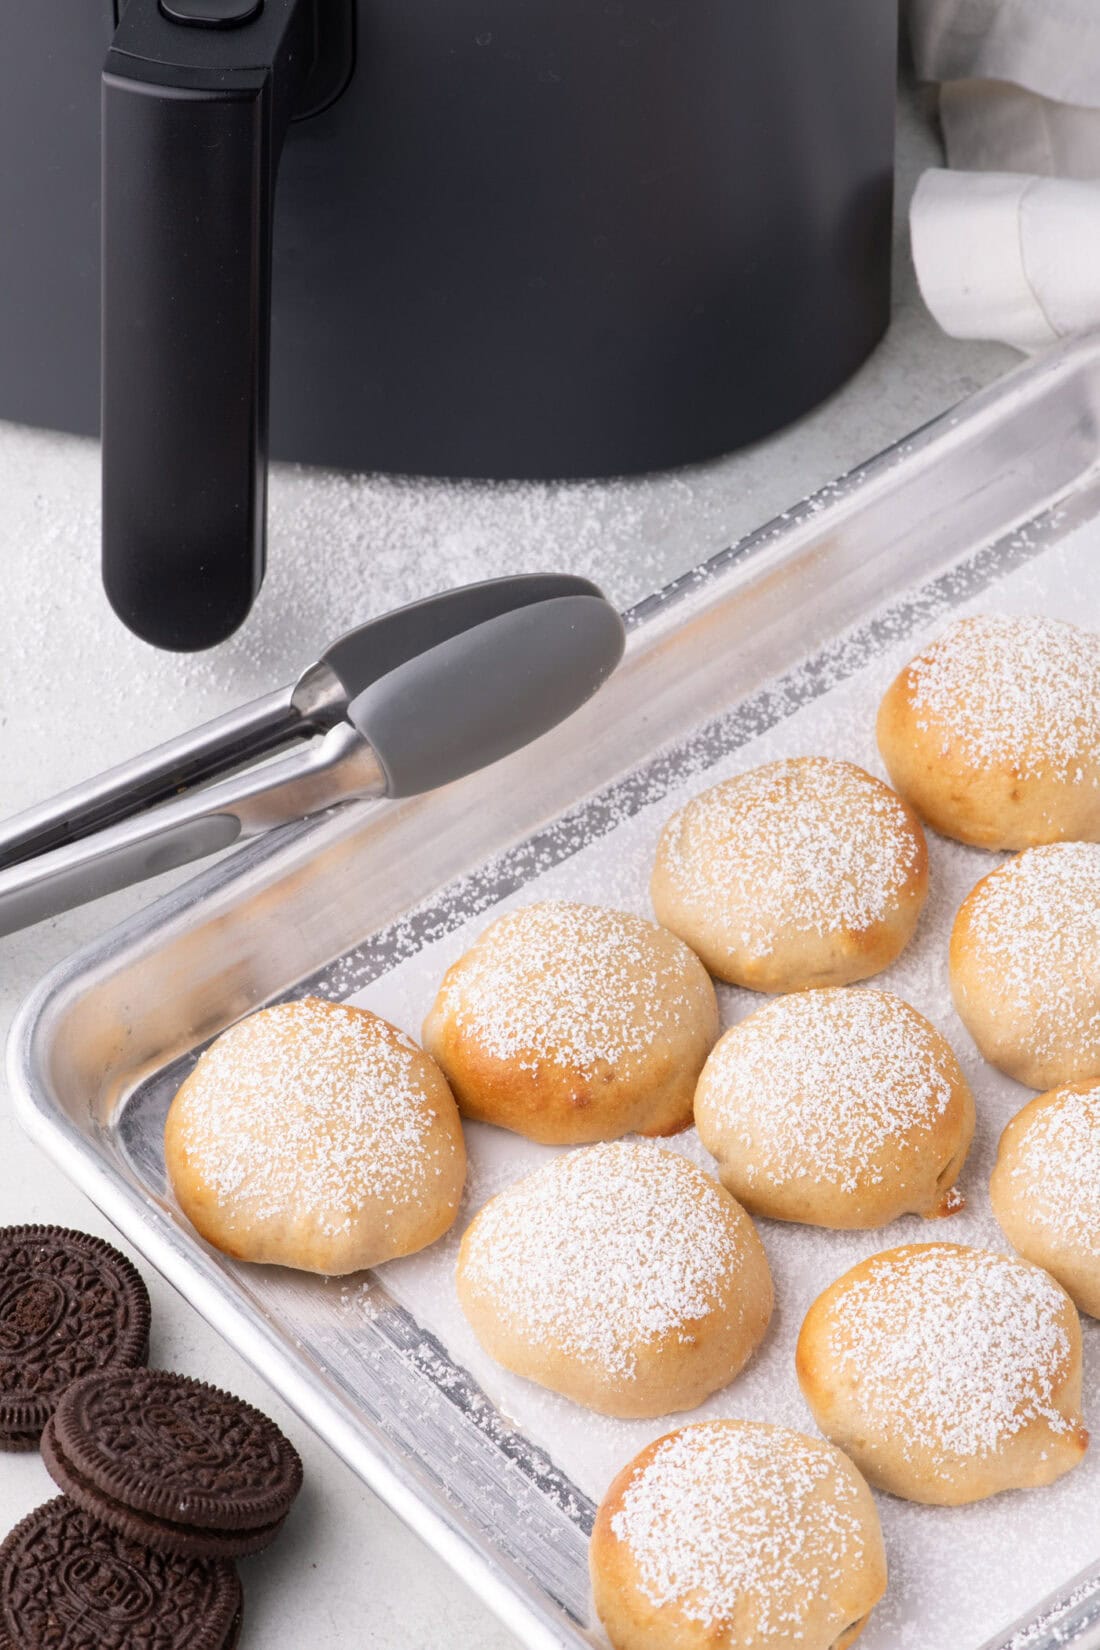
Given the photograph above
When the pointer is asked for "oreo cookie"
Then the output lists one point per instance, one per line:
(69, 1304)
(69, 1582)
(172, 1462)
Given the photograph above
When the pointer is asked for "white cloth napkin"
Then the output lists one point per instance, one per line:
(1007, 243)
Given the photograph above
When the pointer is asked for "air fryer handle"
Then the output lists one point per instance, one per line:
(194, 116)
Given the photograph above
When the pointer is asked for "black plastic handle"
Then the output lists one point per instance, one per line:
(195, 108)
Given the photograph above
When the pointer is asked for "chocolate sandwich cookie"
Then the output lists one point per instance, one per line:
(69, 1304)
(173, 1462)
(69, 1582)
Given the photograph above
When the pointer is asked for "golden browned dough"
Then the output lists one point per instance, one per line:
(621, 1276)
(733, 1535)
(571, 1023)
(947, 1373)
(1045, 1189)
(804, 872)
(1025, 965)
(993, 732)
(841, 1108)
(316, 1136)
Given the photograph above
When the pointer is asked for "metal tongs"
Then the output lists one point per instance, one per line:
(401, 705)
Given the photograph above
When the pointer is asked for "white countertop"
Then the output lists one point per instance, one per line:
(77, 693)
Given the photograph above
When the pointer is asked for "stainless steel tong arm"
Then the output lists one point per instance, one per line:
(443, 687)
(316, 702)
(233, 740)
(334, 769)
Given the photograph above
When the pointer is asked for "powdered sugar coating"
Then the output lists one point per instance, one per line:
(1056, 1167)
(952, 1348)
(581, 985)
(827, 1086)
(727, 1516)
(1029, 936)
(607, 1250)
(804, 844)
(1016, 690)
(303, 1107)
(958, 1576)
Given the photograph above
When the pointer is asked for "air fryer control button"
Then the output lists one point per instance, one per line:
(211, 14)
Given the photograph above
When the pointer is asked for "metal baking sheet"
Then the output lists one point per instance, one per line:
(728, 653)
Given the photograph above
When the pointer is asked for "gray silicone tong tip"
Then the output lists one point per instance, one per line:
(484, 693)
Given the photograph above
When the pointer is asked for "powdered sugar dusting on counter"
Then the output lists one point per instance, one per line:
(957, 1574)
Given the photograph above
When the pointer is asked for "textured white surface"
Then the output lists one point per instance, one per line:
(77, 693)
